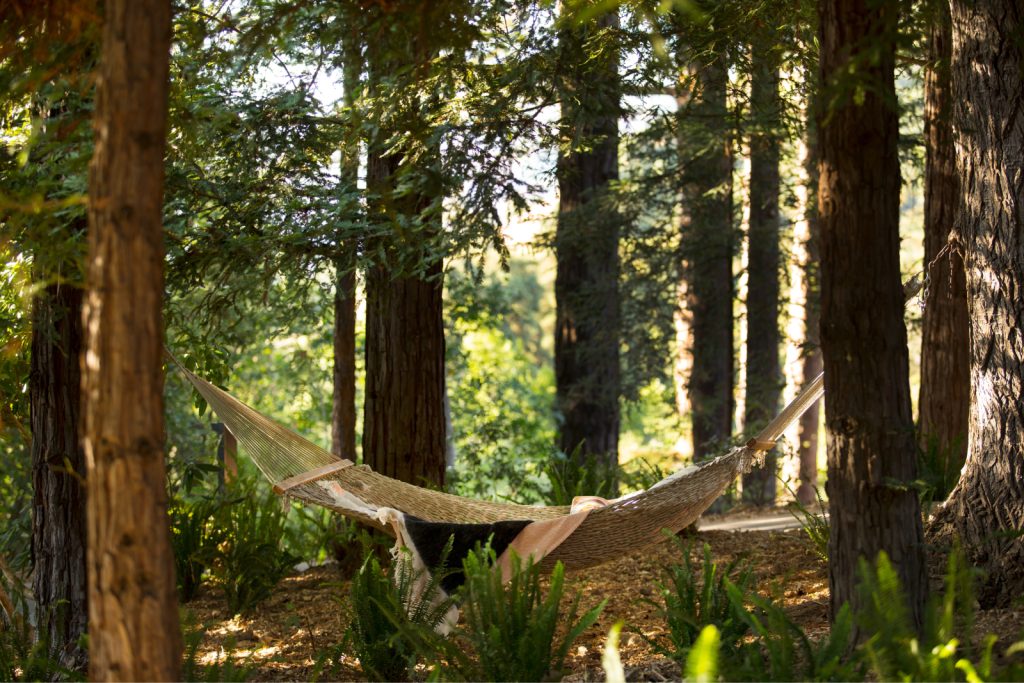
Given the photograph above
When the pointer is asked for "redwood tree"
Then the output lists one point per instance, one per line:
(871, 450)
(707, 251)
(133, 614)
(945, 379)
(986, 509)
(403, 419)
(764, 372)
(587, 370)
(58, 466)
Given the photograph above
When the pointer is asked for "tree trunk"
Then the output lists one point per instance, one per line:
(764, 371)
(945, 376)
(404, 427)
(58, 470)
(587, 368)
(986, 508)
(871, 451)
(707, 247)
(133, 613)
(403, 418)
(812, 365)
(343, 413)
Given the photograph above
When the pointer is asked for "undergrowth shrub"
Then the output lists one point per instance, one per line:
(194, 540)
(250, 559)
(815, 524)
(574, 475)
(692, 597)
(515, 631)
(389, 624)
(28, 656)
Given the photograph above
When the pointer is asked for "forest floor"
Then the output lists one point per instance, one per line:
(308, 611)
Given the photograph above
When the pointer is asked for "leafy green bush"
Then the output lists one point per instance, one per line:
(194, 540)
(938, 467)
(250, 559)
(692, 598)
(389, 626)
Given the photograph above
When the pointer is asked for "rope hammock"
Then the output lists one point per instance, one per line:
(304, 471)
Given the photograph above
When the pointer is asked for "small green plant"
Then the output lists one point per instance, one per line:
(938, 467)
(223, 669)
(692, 598)
(28, 656)
(250, 559)
(516, 631)
(575, 475)
(390, 622)
(641, 474)
(194, 540)
(814, 524)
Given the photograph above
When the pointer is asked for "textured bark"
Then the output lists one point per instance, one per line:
(986, 510)
(945, 376)
(404, 428)
(707, 247)
(58, 469)
(403, 418)
(343, 412)
(871, 451)
(764, 371)
(812, 364)
(134, 633)
(587, 368)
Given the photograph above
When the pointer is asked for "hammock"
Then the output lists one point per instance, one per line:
(302, 470)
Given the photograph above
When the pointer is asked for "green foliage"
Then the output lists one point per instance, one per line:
(938, 468)
(389, 622)
(251, 559)
(814, 524)
(224, 669)
(28, 656)
(702, 659)
(943, 650)
(578, 475)
(692, 598)
(195, 537)
(513, 627)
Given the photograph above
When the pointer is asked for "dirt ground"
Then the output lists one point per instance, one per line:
(308, 611)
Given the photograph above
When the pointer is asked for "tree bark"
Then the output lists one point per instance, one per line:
(871, 450)
(587, 370)
(943, 403)
(986, 509)
(403, 419)
(812, 364)
(343, 413)
(764, 371)
(58, 470)
(707, 249)
(133, 614)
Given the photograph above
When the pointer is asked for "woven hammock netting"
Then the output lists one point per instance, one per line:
(357, 491)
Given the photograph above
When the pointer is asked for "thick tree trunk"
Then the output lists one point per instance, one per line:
(764, 371)
(404, 429)
(403, 415)
(58, 471)
(812, 364)
(945, 380)
(871, 451)
(587, 252)
(134, 633)
(986, 510)
(707, 246)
